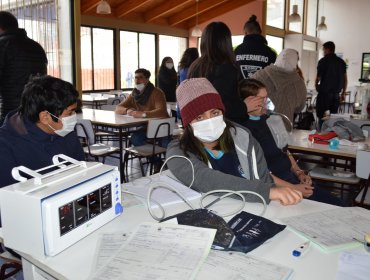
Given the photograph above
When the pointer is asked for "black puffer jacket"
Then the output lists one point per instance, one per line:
(253, 54)
(20, 57)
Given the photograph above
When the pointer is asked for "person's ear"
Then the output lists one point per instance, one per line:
(44, 117)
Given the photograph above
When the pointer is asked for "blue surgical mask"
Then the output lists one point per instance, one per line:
(254, 118)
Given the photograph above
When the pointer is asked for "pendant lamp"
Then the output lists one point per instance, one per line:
(103, 8)
(196, 32)
(295, 17)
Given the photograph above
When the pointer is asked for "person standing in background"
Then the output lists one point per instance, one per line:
(167, 79)
(20, 57)
(254, 53)
(190, 54)
(217, 64)
(331, 80)
(286, 88)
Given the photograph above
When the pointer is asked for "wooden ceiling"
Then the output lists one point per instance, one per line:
(174, 13)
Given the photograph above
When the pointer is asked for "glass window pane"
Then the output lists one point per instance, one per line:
(147, 54)
(129, 57)
(103, 57)
(86, 62)
(275, 13)
(296, 26)
(276, 43)
(172, 46)
(237, 40)
(309, 45)
(311, 17)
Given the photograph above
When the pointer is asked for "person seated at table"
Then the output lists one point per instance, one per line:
(145, 101)
(283, 167)
(224, 154)
(43, 126)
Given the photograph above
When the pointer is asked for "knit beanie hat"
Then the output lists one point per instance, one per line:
(196, 96)
(287, 59)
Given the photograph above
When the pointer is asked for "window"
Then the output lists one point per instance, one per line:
(237, 40)
(137, 51)
(97, 58)
(311, 17)
(47, 22)
(173, 47)
(275, 13)
(276, 43)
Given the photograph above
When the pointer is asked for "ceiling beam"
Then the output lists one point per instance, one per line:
(190, 12)
(128, 7)
(165, 8)
(87, 6)
(218, 11)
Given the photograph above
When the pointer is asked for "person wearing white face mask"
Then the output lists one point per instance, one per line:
(40, 128)
(145, 101)
(167, 79)
(224, 154)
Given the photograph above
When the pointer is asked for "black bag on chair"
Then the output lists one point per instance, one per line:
(305, 120)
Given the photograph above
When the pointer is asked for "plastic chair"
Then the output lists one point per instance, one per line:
(363, 171)
(348, 104)
(85, 132)
(157, 128)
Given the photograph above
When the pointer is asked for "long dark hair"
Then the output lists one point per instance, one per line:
(190, 144)
(189, 55)
(163, 69)
(216, 48)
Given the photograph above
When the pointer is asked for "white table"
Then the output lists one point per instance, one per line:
(109, 119)
(76, 261)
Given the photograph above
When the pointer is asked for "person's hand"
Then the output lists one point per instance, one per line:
(285, 195)
(304, 178)
(136, 114)
(306, 190)
(253, 103)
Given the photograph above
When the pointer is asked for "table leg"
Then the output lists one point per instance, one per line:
(121, 166)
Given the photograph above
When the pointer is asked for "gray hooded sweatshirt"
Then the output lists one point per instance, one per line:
(251, 159)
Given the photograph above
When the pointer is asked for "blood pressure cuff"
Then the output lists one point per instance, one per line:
(243, 233)
(252, 230)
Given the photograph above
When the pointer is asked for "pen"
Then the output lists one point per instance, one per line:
(301, 250)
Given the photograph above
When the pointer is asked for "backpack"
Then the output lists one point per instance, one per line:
(305, 120)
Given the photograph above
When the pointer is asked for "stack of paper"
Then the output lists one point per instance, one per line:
(334, 229)
(159, 251)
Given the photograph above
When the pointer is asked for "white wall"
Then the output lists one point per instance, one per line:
(349, 28)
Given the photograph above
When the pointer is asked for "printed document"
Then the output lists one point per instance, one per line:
(333, 229)
(159, 251)
(234, 265)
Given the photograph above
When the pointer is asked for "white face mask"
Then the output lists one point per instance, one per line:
(169, 65)
(140, 87)
(69, 124)
(209, 130)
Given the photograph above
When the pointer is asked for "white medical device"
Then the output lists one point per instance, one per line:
(44, 215)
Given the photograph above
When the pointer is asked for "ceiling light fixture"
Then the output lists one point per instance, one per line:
(322, 26)
(295, 17)
(103, 8)
(196, 32)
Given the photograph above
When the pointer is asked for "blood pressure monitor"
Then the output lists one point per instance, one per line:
(46, 214)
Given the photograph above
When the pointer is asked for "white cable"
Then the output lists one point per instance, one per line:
(178, 156)
(155, 185)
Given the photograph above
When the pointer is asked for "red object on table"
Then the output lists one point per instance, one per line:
(322, 138)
